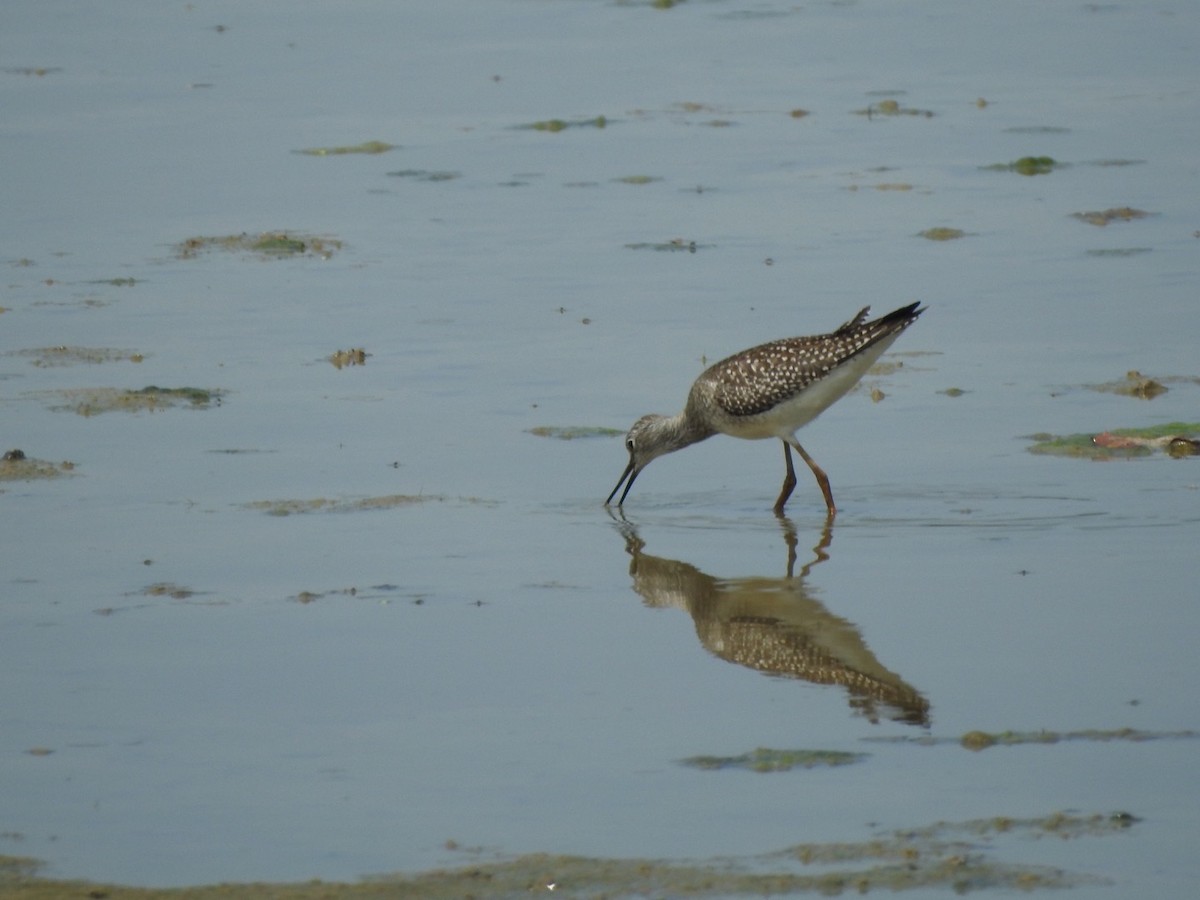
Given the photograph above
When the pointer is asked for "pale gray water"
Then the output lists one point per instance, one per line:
(533, 700)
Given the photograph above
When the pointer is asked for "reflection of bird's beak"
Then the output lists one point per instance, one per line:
(629, 473)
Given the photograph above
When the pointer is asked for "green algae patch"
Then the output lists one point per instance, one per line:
(1102, 217)
(49, 357)
(268, 245)
(942, 234)
(960, 856)
(1028, 165)
(765, 759)
(93, 401)
(16, 466)
(638, 179)
(330, 505)
(573, 432)
(367, 147)
(1177, 439)
(556, 125)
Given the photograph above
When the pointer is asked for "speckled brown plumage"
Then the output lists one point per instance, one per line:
(755, 380)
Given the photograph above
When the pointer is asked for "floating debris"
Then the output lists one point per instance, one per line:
(1175, 437)
(355, 356)
(1176, 446)
(766, 760)
(1028, 165)
(369, 147)
(1134, 384)
(573, 432)
(268, 245)
(1117, 214)
(891, 107)
(17, 466)
(942, 234)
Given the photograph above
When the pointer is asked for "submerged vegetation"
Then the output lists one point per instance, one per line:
(573, 432)
(981, 740)
(952, 856)
(672, 246)
(268, 245)
(425, 175)
(63, 355)
(765, 759)
(1028, 165)
(328, 505)
(368, 147)
(1116, 214)
(556, 125)
(93, 401)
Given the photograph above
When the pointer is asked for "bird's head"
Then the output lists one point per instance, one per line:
(650, 437)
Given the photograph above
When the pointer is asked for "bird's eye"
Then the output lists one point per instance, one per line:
(629, 444)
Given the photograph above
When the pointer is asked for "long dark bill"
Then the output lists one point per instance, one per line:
(631, 475)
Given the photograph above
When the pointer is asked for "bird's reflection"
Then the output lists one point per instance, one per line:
(775, 626)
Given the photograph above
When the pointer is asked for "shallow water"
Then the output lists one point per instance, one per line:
(201, 691)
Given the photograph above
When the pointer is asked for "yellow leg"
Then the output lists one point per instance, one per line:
(789, 481)
(822, 478)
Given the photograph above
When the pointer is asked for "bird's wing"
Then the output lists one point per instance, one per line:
(755, 380)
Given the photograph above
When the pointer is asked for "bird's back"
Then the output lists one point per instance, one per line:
(780, 385)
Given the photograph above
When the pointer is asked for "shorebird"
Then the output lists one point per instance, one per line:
(771, 390)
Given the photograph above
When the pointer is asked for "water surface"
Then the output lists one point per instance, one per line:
(199, 691)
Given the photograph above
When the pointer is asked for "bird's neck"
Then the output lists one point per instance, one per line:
(683, 430)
